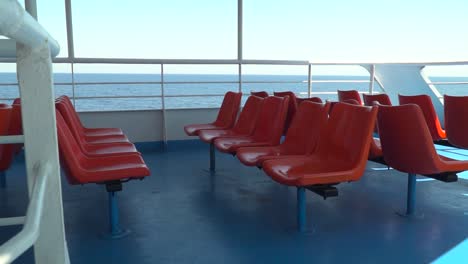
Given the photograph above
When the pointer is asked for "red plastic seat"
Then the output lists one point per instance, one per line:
(14, 127)
(349, 94)
(79, 134)
(301, 139)
(456, 120)
(375, 150)
(97, 150)
(268, 128)
(430, 115)
(311, 99)
(226, 116)
(408, 147)
(5, 116)
(382, 99)
(85, 130)
(292, 108)
(261, 94)
(341, 155)
(244, 126)
(110, 170)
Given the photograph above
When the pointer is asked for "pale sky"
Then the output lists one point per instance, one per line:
(318, 31)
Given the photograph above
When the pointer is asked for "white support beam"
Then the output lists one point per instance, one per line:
(34, 68)
(407, 80)
(17, 24)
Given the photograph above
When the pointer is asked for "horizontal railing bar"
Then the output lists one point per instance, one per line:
(9, 221)
(447, 83)
(16, 139)
(17, 245)
(229, 82)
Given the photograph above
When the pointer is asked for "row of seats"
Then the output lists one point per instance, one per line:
(455, 110)
(321, 150)
(10, 126)
(97, 155)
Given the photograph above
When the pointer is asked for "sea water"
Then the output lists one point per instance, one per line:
(178, 87)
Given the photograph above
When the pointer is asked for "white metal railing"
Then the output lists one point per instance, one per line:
(22, 241)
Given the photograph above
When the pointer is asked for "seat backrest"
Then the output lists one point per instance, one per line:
(71, 115)
(5, 115)
(382, 99)
(349, 94)
(456, 120)
(229, 108)
(70, 152)
(351, 101)
(405, 139)
(271, 119)
(311, 99)
(432, 120)
(74, 125)
(292, 107)
(245, 124)
(305, 129)
(261, 94)
(347, 137)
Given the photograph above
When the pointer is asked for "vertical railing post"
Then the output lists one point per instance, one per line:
(73, 83)
(163, 106)
(372, 79)
(34, 68)
(309, 80)
(240, 77)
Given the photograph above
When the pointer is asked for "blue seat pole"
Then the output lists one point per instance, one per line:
(113, 215)
(301, 209)
(411, 195)
(212, 157)
(2, 179)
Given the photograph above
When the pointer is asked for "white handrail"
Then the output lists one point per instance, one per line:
(19, 25)
(17, 245)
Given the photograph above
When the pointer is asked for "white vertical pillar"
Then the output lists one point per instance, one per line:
(34, 68)
(309, 80)
(372, 79)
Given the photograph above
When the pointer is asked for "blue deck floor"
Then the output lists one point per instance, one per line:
(183, 214)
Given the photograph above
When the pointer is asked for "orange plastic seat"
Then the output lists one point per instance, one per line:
(349, 94)
(268, 129)
(79, 134)
(301, 139)
(261, 94)
(382, 99)
(13, 127)
(65, 100)
(5, 115)
(226, 116)
(244, 126)
(375, 150)
(430, 115)
(97, 150)
(109, 170)
(292, 108)
(341, 156)
(456, 120)
(408, 147)
(311, 99)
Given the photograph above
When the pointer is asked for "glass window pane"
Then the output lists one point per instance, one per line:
(356, 31)
(51, 15)
(179, 29)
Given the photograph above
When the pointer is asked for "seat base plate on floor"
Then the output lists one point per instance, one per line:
(416, 215)
(116, 235)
